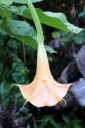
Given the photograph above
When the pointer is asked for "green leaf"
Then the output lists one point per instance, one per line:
(2, 32)
(5, 13)
(21, 28)
(21, 31)
(6, 2)
(80, 38)
(55, 34)
(50, 50)
(56, 20)
(24, 2)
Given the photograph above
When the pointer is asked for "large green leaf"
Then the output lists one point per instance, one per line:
(20, 30)
(57, 20)
(24, 2)
(6, 2)
(5, 13)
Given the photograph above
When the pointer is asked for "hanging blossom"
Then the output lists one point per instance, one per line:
(44, 90)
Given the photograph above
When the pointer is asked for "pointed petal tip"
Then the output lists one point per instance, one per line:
(13, 85)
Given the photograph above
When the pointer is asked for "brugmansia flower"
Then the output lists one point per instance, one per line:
(44, 90)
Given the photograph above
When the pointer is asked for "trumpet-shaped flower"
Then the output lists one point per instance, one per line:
(44, 90)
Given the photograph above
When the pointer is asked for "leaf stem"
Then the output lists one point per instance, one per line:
(37, 23)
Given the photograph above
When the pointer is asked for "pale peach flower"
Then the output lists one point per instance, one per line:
(44, 90)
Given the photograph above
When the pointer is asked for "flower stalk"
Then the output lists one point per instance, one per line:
(36, 20)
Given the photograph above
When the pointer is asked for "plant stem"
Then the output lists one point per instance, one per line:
(37, 23)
